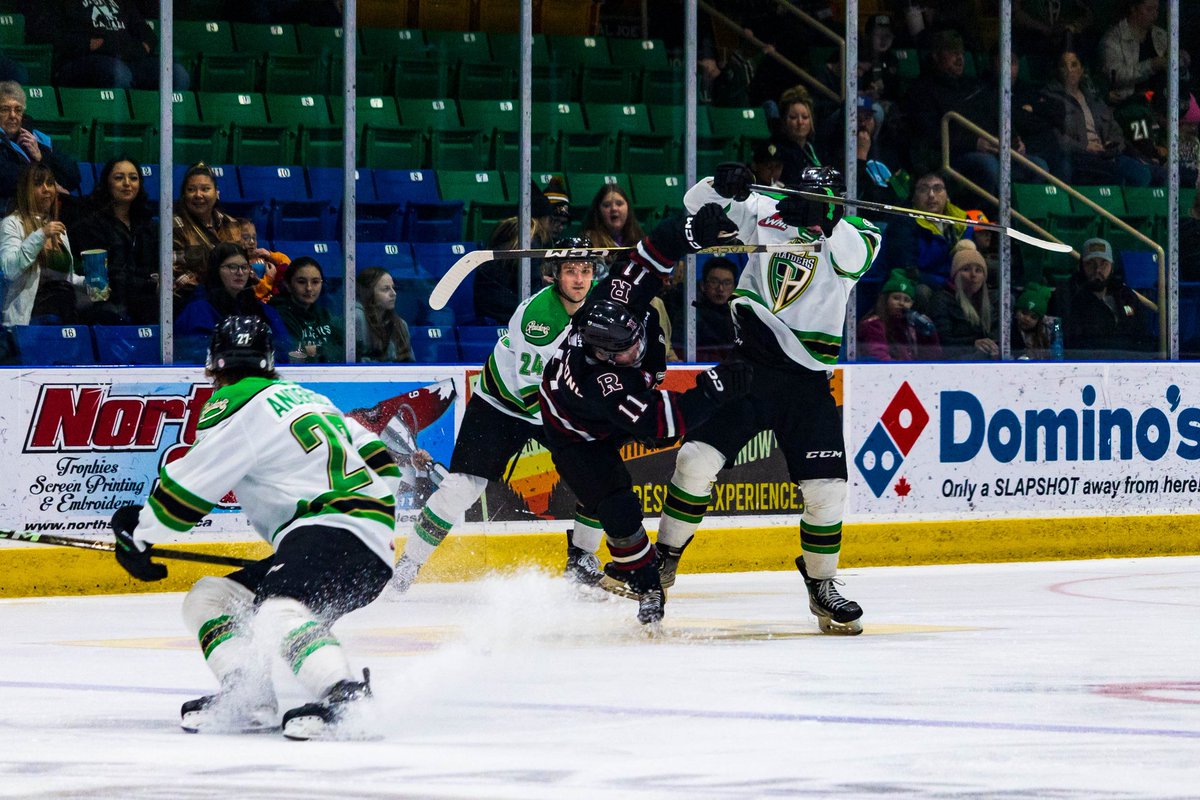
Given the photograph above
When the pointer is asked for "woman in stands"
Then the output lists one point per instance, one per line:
(226, 292)
(610, 221)
(796, 134)
(964, 311)
(118, 220)
(35, 254)
(198, 223)
(380, 334)
(314, 329)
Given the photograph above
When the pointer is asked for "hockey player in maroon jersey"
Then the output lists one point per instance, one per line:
(599, 392)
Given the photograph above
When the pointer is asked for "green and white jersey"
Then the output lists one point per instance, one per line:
(513, 372)
(292, 458)
(796, 300)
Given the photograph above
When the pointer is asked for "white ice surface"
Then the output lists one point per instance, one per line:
(1050, 680)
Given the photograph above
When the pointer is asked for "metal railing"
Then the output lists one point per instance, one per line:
(1161, 304)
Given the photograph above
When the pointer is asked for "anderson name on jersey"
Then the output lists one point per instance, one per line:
(293, 459)
(791, 307)
(513, 372)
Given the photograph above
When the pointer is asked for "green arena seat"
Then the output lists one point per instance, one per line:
(38, 60)
(481, 80)
(393, 43)
(451, 145)
(12, 29)
(506, 48)
(607, 84)
(253, 139)
(459, 45)
(295, 74)
(1039, 201)
(580, 51)
(41, 103)
(254, 37)
(226, 72)
(638, 53)
(418, 78)
(319, 141)
(209, 36)
(320, 40)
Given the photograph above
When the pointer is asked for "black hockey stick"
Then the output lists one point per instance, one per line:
(98, 544)
(903, 211)
(462, 268)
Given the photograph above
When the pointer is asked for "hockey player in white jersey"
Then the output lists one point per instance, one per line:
(315, 485)
(504, 414)
(789, 310)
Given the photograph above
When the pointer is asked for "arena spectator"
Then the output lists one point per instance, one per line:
(923, 246)
(1189, 243)
(1105, 317)
(611, 221)
(714, 323)
(380, 334)
(1041, 29)
(103, 43)
(497, 289)
(766, 164)
(1031, 331)
(942, 87)
(197, 228)
(315, 330)
(225, 292)
(795, 137)
(1133, 52)
(24, 144)
(270, 266)
(1089, 137)
(560, 208)
(964, 312)
(894, 330)
(118, 220)
(988, 243)
(35, 254)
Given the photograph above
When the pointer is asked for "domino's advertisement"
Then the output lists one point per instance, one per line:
(947, 441)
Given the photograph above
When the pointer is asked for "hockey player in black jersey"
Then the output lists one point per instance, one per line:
(599, 392)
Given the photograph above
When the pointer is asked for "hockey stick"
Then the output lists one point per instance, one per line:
(462, 268)
(1054, 247)
(96, 544)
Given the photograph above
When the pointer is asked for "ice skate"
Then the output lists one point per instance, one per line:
(240, 707)
(835, 614)
(583, 568)
(321, 719)
(651, 607)
(616, 582)
(404, 575)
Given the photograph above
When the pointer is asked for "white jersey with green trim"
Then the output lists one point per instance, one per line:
(513, 372)
(292, 458)
(799, 299)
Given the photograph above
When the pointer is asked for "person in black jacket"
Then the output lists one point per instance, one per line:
(118, 220)
(102, 43)
(24, 144)
(599, 391)
(1105, 317)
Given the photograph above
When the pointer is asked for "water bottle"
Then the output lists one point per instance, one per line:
(921, 323)
(1054, 324)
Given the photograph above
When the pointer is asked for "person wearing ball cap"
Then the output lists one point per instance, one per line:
(964, 311)
(1104, 313)
(894, 330)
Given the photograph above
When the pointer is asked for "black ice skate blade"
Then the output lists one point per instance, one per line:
(234, 731)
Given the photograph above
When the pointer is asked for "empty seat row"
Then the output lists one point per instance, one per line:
(72, 345)
(470, 344)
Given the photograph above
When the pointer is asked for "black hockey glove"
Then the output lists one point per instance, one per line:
(709, 227)
(801, 213)
(727, 381)
(130, 554)
(733, 179)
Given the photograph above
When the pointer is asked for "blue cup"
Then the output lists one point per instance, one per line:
(95, 271)
(260, 268)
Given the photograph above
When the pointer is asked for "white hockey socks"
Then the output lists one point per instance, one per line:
(309, 648)
(821, 525)
(688, 493)
(587, 533)
(218, 612)
(444, 509)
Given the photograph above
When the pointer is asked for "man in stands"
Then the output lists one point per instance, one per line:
(25, 144)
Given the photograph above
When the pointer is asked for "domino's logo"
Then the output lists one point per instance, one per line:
(891, 440)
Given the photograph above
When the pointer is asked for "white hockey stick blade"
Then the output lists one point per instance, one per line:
(462, 268)
(903, 211)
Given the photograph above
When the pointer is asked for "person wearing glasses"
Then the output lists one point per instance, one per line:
(714, 324)
(24, 144)
(922, 247)
(227, 291)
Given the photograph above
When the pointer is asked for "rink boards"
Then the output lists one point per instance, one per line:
(947, 463)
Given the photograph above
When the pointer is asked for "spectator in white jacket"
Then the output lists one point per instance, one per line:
(35, 254)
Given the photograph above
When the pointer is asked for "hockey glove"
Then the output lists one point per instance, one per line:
(801, 213)
(131, 555)
(676, 236)
(709, 227)
(733, 179)
(727, 381)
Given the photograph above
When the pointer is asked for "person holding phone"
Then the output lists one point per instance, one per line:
(24, 144)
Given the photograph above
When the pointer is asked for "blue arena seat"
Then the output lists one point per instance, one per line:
(54, 345)
(327, 253)
(411, 202)
(434, 344)
(127, 344)
(476, 342)
(435, 258)
(396, 257)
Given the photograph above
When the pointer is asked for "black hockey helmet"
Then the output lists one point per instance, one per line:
(553, 262)
(609, 327)
(241, 343)
(821, 180)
